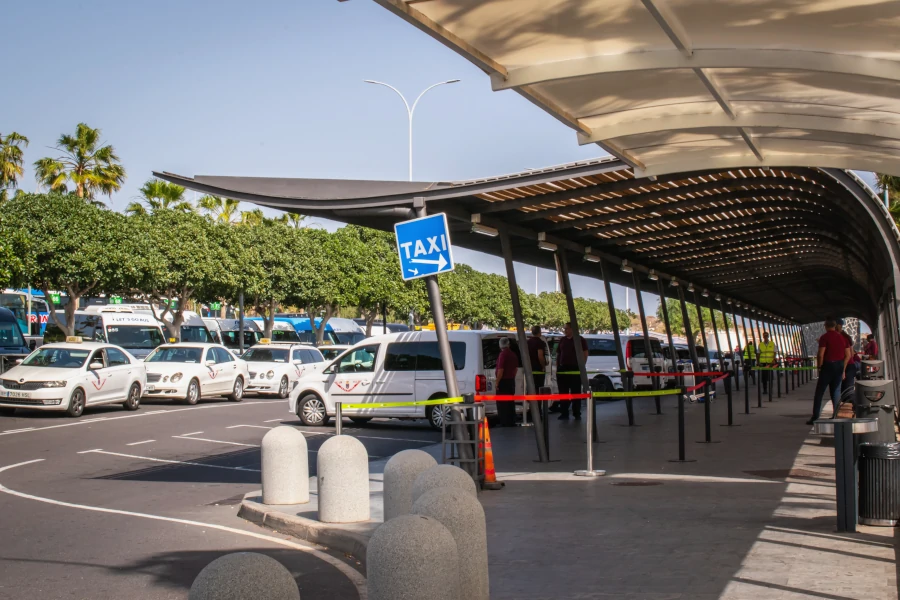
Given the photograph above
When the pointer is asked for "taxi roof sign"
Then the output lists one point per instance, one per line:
(73, 339)
(265, 340)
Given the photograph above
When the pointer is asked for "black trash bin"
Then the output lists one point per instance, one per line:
(875, 399)
(879, 484)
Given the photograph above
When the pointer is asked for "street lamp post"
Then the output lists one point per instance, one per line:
(410, 111)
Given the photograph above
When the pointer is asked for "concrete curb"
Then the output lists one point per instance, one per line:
(335, 537)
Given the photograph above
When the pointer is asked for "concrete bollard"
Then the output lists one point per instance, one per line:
(463, 517)
(400, 473)
(285, 467)
(244, 576)
(343, 475)
(443, 476)
(412, 557)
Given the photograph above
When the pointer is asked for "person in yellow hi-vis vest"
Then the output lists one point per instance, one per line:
(749, 359)
(766, 359)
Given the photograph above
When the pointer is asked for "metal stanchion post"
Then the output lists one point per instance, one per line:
(629, 403)
(545, 424)
(730, 409)
(778, 382)
(707, 412)
(589, 471)
(681, 450)
(770, 381)
(746, 392)
(338, 418)
(759, 403)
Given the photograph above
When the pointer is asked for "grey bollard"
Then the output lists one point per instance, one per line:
(463, 517)
(400, 473)
(412, 557)
(443, 476)
(285, 467)
(244, 576)
(343, 476)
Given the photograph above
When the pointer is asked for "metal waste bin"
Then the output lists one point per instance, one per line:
(871, 369)
(875, 399)
(879, 484)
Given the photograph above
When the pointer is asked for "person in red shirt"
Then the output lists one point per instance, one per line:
(567, 362)
(871, 349)
(853, 366)
(507, 367)
(834, 354)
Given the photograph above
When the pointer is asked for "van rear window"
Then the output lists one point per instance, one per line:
(422, 356)
(601, 347)
(638, 350)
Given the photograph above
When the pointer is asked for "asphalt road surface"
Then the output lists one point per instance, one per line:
(133, 505)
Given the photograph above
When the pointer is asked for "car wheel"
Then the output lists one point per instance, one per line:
(193, 392)
(7, 412)
(283, 390)
(134, 398)
(360, 420)
(237, 392)
(437, 414)
(311, 411)
(76, 403)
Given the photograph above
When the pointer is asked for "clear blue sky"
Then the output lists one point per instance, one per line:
(270, 88)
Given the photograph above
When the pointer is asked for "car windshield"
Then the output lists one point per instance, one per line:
(176, 354)
(134, 336)
(330, 353)
(11, 335)
(266, 355)
(230, 339)
(60, 358)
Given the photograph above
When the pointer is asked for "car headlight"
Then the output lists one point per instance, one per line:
(270, 374)
(54, 384)
(177, 377)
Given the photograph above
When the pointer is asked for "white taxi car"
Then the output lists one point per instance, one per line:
(71, 376)
(189, 371)
(276, 367)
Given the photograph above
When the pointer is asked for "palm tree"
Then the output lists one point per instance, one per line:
(292, 219)
(11, 161)
(159, 195)
(89, 166)
(253, 218)
(219, 209)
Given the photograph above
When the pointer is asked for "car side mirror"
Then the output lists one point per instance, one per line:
(96, 366)
(210, 363)
(298, 362)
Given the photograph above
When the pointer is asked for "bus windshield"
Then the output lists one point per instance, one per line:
(195, 333)
(134, 336)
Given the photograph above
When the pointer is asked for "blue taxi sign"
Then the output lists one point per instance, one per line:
(424, 246)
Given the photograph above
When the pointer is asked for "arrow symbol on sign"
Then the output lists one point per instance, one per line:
(413, 271)
(441, 262)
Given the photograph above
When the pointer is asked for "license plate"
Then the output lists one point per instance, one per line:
(150, 388)
(645, 368)
(18, 395)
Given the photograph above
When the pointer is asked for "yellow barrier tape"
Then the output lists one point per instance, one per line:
(669, 392)
(457, 400)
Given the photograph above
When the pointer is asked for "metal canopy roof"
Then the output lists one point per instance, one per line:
(796, 242)
(671, 86)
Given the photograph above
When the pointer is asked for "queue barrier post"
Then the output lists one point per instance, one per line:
(736, 372)
(658, 385)
(545, 413)
(629, 404)
(759, 403)
(747, 392)
(728, 394)
(681, 450)
(778, 383)
(338, 418)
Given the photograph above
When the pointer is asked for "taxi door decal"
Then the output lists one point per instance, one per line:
(348, 386)
(98, 385)
(213, 372)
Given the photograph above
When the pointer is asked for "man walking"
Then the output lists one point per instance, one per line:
(568, 376)
(853, 366)
(539, 354)
(507, 367)
(871, 349)
(767, 360)
(834, 354)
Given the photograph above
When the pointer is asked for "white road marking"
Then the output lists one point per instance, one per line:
(273, 420)
(139, 443)
(136, 416)
(353, 575)
(236, 426)
(193, 433)
(196, 439)
(171, 462)
(89, 451)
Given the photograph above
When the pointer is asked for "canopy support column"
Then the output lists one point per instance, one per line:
(687, 327)
(665, 311)
(702, 326)
(530, 387)
(648, 346)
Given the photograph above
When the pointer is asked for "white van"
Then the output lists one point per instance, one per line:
(227, 332)
(603, 361)
(400, 367)
(138, 333)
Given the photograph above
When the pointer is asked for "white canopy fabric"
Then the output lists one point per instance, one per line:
(670, 86)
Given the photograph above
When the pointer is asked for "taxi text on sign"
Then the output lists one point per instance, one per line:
(424, 246)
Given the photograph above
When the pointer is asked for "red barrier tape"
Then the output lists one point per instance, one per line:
(551, 397)
(720, 378)
(695, 387)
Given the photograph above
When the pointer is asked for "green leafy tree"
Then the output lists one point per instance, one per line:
(676, 320)
(85, 164)
(220, 210)
(253, 218)
(11, 161)
(188, 258)
(159, 195)
(78, 248)
(293, 220)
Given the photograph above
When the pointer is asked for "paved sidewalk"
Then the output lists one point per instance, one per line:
(754, 517)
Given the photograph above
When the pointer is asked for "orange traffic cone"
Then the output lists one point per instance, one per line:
(490, 475)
